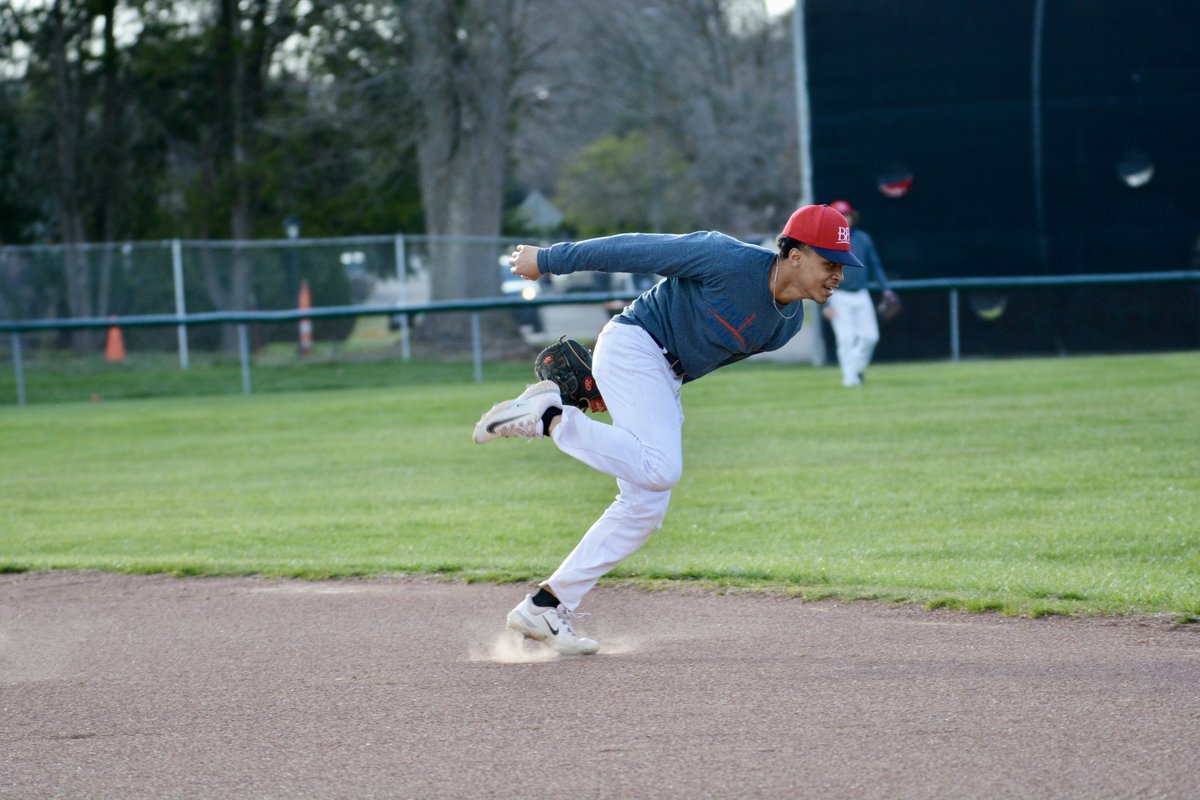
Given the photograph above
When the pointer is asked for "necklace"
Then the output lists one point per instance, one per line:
(774, 277)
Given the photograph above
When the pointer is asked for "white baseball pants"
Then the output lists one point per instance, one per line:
(856, 330)
(642, 449)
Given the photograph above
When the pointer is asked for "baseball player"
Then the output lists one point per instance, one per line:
(850, 311)
(721, 301)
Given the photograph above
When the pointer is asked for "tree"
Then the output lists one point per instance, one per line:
(74, 78)
(708, 80)
(348, 159)
(462, 60)
(624, 183)
(245, 35)
(20, 216)
(218, 86)
(215, 119)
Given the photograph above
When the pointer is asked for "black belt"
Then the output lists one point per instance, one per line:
(672, 359)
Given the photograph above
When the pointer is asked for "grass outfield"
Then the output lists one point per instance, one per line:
(1027, 486)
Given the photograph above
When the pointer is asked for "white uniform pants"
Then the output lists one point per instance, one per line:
(856, 330)
(642, 449)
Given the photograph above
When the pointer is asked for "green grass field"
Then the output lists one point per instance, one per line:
(1026, 486)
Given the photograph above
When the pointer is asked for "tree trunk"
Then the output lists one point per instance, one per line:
(246, 46)
(110, 165)
(68, 135)
(463, 71)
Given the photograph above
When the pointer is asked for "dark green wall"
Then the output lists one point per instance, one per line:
(945, 90)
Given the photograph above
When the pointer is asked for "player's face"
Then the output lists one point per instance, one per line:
(818, 276)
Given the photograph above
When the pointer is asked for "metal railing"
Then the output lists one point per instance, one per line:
(244, 318)
(954, 286)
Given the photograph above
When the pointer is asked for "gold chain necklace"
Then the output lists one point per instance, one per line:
(774, 278)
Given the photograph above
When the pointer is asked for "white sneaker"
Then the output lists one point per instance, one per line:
(550, 625)
(521, 417)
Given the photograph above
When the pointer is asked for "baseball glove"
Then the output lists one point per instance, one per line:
(569, 364)
(889, 306)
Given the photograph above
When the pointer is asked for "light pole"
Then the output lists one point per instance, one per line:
(803, 118)
(650, 89)
(291, 225)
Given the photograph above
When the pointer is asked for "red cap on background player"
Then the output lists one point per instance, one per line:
(824, 230)
(843, 207)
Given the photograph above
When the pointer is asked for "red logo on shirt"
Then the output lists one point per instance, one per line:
(735, 331)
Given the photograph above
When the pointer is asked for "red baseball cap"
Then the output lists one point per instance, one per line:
(824, 230)
(843, 207)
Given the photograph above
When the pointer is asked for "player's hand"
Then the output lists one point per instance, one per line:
(524, 262)
(889, 306)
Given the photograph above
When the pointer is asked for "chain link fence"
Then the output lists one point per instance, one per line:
(192, 277)
(942, 318)
(188, 278)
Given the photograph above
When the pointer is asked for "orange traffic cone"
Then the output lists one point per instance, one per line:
(306, 326)
(114, 348)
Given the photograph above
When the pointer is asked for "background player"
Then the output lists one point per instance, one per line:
(850, 312)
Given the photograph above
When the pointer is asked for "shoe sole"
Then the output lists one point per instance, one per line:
(481, 434)
(517, 623)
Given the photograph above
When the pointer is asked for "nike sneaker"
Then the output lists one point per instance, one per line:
(521, 417)
(550, 625)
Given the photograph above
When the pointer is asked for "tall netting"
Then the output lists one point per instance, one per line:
(1017, 138)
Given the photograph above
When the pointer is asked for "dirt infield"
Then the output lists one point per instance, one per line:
(116, 686)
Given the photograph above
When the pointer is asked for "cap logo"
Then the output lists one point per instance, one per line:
(824, 229)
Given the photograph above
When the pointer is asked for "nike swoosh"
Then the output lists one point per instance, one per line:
(491, 427)
(553, 630)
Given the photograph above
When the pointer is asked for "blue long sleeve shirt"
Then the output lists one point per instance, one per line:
(856, 279)
(714, 306)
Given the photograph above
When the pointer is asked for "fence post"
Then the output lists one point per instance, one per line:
(18, 367)
(954, 341)
(180, 308)
(402, 274)
(476, 347)
(244, 354)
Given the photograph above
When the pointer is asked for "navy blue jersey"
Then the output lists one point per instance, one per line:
(855, 279)
(715, 305)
